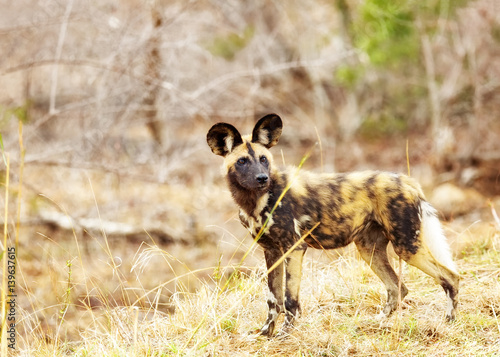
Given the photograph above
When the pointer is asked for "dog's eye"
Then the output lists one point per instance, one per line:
(263, 160)
(242, 161)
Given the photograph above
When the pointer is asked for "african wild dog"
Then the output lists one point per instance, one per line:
(370, 208)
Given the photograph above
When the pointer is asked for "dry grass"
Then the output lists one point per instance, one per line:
(340, 298)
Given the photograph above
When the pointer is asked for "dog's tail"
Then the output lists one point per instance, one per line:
(433, 237)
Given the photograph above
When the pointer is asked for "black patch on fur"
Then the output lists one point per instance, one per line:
(251, 152)
(405, 223)
(332, 232)
(370, 185)
(312, 206)
(449, 288)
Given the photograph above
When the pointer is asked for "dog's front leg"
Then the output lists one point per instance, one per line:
(275, 298)
(293, 269)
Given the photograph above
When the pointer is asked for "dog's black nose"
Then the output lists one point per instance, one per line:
(262, 178)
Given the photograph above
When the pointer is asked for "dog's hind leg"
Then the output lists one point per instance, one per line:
(446, 277)
(433, 256)
(372, 246)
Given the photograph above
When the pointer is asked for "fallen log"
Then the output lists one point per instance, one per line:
(109, 229)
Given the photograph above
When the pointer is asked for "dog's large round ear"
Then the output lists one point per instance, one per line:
(223, 138)
(267, 131)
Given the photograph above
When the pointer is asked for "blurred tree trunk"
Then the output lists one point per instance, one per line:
(349, 116)
(345, 14)
(442, 136)
(153, 66)
(432, 89)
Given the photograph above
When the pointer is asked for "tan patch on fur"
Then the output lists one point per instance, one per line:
(261, 204)
(229, 143)
(294, 274)
(263, 137)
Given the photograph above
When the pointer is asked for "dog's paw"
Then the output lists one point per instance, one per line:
(283, 334)
(264, 331)
(254, 331)
(450, 317)
(381, 316)
(383, 320)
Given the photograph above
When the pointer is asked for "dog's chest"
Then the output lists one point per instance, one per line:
(260, 217)
(274, 230)
(255, 225)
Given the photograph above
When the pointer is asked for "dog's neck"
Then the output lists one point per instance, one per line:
(250, 201)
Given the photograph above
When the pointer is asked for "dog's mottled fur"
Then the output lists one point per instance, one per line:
(369, 208)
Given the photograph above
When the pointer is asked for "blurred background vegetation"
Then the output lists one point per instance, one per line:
(115, 99)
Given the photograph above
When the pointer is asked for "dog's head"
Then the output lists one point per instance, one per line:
(247, 160)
